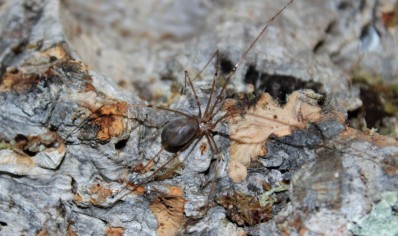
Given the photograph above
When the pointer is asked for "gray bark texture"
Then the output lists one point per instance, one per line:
(79, 145)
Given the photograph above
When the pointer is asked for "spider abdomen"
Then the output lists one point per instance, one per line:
(178, 133)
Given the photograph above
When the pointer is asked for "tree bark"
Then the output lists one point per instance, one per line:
(70, 136)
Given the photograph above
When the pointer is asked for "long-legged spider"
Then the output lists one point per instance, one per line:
(188, 130)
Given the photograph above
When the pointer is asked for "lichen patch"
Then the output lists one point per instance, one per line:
(55, 53)
(169, 211)
(368, 136)
(110, 119)
(18, 82)
(100, 194)
(114, 231)
(245, 209)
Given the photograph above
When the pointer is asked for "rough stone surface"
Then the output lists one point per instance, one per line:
(62, 62)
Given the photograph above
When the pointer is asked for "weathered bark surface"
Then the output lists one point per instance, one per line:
(61, 175)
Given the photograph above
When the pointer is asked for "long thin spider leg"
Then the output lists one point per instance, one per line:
(157, 154)
(178, 153)
(194, 93)
(217, 110)
(213, 84)
(224, 116)
(82, 123)
(235, 139)
(187, 77)
(229, 114)
(185, 84)
(204, 67)
(174, 156)
(166, 109)
(214, 147)
(215, 55)
(147, 179)
(173, 138)
(158, 169)
(244, 56)
(94, 116)
(272, 120)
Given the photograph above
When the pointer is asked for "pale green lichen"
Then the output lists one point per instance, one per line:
(267, 198)
(382, 220)
(4, 145)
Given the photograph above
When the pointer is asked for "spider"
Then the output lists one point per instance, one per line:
(187, 130)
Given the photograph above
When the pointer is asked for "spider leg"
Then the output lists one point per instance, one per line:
(97, 115)
(244, 56)
(213, 86)
(153, 175)
(187, 77)
(217, 152)
(91, 116)
(194, 92)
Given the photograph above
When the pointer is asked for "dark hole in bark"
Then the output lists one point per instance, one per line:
(373, 106)
(121, 144)
(279, 86)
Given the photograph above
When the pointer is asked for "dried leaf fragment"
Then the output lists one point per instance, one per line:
(250, 129)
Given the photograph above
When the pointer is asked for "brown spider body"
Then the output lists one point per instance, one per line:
(179, 132)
